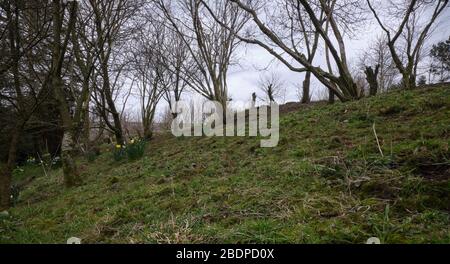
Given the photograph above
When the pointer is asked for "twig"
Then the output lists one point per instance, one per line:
(42, 164)
(378, 141)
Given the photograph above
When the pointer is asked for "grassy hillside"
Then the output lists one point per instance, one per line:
(326, 182)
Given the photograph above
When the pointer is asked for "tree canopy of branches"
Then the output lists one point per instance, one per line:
(24, 27)
(210, 45)
(440, 53)
(154, 79)
(321, 15)
(410, 27)
(111, 28)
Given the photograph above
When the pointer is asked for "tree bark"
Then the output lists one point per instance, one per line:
(306, 98)
(148, 133)
(331, 97)
(372, 79)
(6, 171)
(71, 174)
(408, 80)
(118, 132)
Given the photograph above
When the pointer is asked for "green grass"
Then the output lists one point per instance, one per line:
(326, 182)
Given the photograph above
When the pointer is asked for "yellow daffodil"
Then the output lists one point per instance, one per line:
(118, 146)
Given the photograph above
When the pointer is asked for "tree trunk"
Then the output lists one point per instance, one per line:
(6, 171)
(270, 94)
(118, 132)
(87, 129)
(409, 81)
(148, 133)
(71, 175)
(349, 88)
(331, 97)
(5, 187)
(306, 98)
(59, 48)
(372, 79)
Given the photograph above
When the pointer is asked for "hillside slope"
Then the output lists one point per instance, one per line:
(326, 182)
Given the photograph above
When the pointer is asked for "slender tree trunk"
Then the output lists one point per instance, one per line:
(5, 187)
(148, 133)
(118, 132)
(221, 96)
(306, 98)
(6, 171)
(86, 128)
(71, 174)
(70, 169)
(68, 145)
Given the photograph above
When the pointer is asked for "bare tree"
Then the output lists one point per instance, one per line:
(110, 19)
(175, 57)
(378, 54)
(413, 21)
(272, 87)
(61, 37)
(153, 77)
(211, 46)
(300, 32)
(18, 40)
(343, 84)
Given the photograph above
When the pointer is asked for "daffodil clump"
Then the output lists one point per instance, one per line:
(136, 149)
(31, 161)
(119, 152)
(133, 151)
